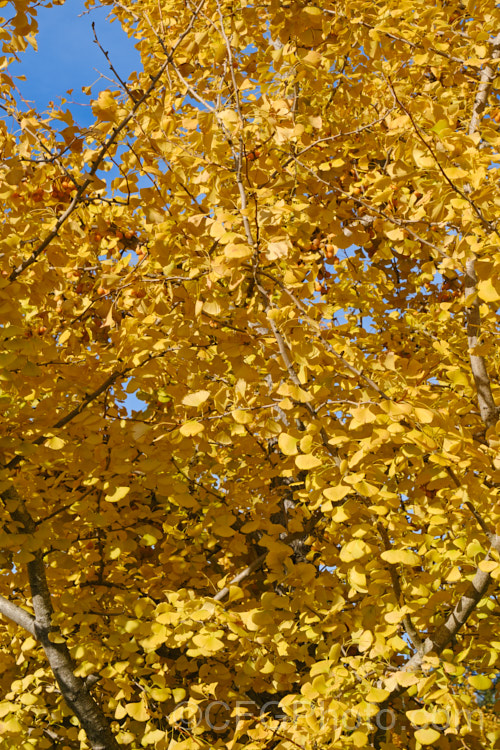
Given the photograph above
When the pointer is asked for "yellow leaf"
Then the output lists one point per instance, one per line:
(357, 578)
(118, 494)
(403, 556)
(238, 250)
(489, 291)
(366, 489)
(208, 642)
(427, 736)
(488, 566)
(105, 107)
(55, 443)
(405, 679)
(6, 707)
(359, 738)
(419, 716)
(153, 737)
(191, 428)
(307, 461)
(334, 494)
(241, 416)
(196, 399)
(229, 118)
(354, 550)
(28, 644)
(12, 726)
(137, 711)
(287, 444)
(395, 615)
(365, 640)
(425, 416)
(160, 694)
(277, 249)
(377, 695)
(178, 694)
(479, 682)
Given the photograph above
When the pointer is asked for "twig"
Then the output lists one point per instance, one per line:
(101, 154)
(407, 622)
(240, 577)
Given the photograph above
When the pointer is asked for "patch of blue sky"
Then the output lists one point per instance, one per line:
(68, 58)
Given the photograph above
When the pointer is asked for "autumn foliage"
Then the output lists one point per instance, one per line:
(249, 383)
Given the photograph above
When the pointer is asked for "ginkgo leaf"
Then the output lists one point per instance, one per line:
(334, 494)
(354, 550)
(419, 716)
(287, 444)
(118, 494)
(208, 643)
(488, 290)
(480, 682)
(307, 461)
(191, 428)
(403, 556)
(196, 399)
(137, 711)
(427, 736)
(377, 695)
(278, 249)
(55, 443)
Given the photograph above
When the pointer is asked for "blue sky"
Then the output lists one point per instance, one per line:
(68, 58)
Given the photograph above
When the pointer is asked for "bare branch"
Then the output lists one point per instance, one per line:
(461, 613)
(487, 407)
(74, 689)
(487, 76)
(18, 615)
(240, 577)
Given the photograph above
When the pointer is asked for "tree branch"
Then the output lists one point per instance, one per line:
(486, 402)
(18, 615)
(407, 622)
(74, 689)
(487, 407)
(97, 161)
(461, 613)
(255, 565)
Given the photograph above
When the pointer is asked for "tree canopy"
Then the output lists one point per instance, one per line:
(280, 236)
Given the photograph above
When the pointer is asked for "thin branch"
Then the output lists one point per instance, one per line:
(18, 615)
(240, 577)
(416, 45)
(411, 630)
(393, 219)
(312, 323)
(461, 613)
(97, 161)
(72, 414)
(487, 407)
(430, 149)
